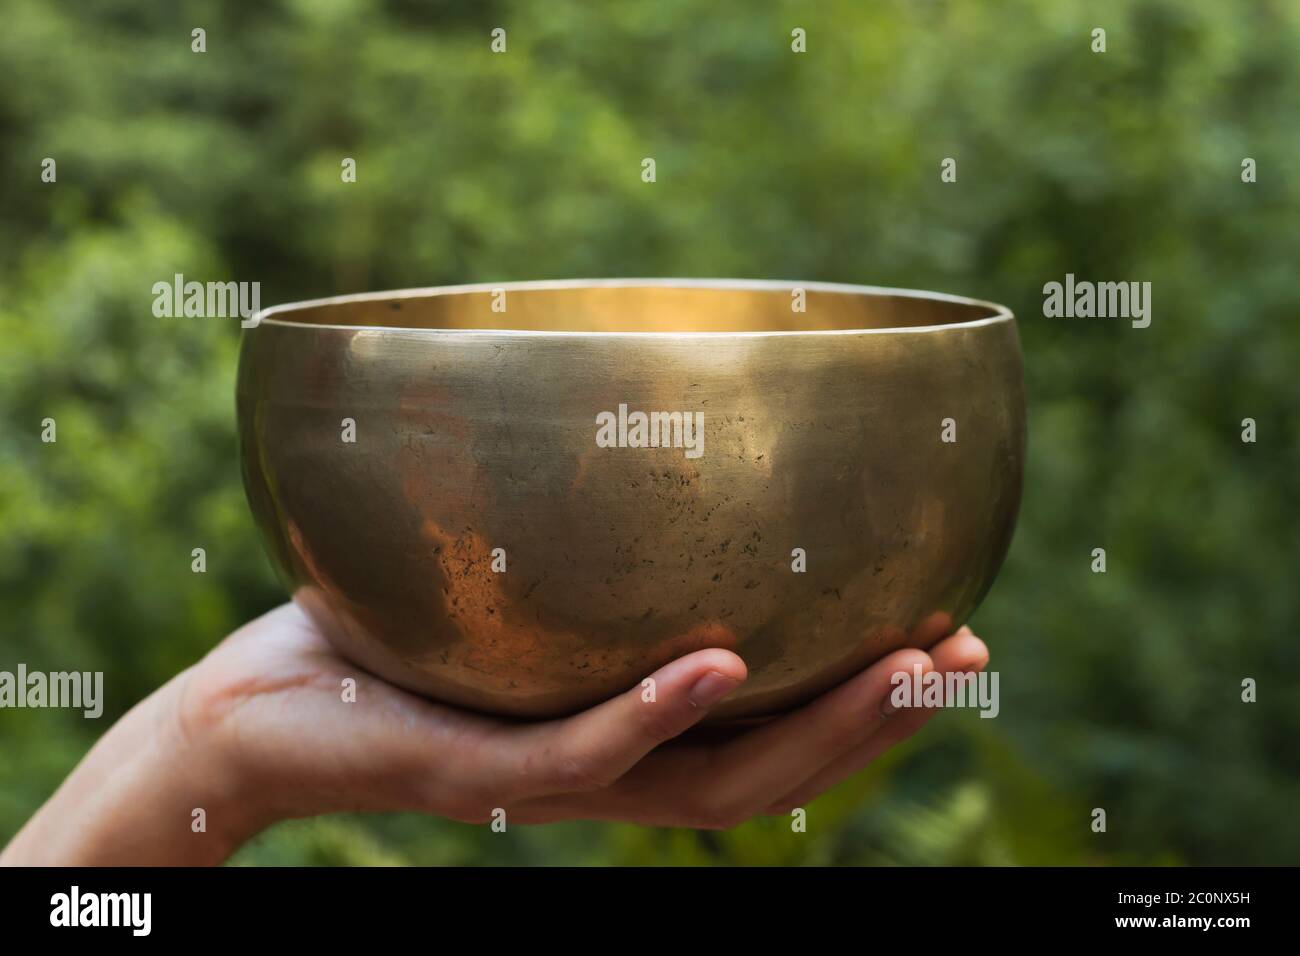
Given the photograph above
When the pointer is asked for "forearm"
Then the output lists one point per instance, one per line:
(132, 799)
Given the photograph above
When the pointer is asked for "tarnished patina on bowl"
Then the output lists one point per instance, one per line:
(474, 412)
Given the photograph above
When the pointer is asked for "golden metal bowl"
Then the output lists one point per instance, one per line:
(501, 533)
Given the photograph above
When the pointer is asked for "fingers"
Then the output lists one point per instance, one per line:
(592, 750)
(719, 786)
(963, 652)
(599, 765)
(749, 770)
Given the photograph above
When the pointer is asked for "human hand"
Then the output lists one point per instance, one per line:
(257, 732)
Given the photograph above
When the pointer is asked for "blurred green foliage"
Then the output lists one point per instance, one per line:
(1120, 690)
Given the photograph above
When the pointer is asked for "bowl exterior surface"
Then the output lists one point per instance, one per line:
(474, 541)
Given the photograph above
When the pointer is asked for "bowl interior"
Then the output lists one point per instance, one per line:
(642, 306)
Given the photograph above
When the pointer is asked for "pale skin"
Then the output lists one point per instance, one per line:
(257, 732)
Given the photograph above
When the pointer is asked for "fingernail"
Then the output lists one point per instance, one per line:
(711, 688)
(887, 709)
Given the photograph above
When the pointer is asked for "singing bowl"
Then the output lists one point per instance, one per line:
(428, 473)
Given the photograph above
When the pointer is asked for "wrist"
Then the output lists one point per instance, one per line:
(156, 789)
(222, 801)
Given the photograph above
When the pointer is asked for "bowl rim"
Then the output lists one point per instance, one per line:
(999, 313)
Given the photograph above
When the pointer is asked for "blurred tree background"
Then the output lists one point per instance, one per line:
(1119, 690)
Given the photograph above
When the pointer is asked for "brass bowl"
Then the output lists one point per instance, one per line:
(477, 429)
